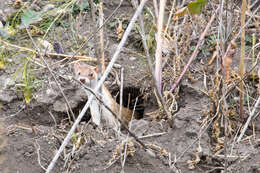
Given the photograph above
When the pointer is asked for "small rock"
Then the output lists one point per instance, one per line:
(139, 127)
(4, 33)
(60, 106)
(132, 58)
(35, 7)
(62, 71)
(117, 66)
(7, 96)
(8, 82)
(51, 92)
(179, 123)
(48, 7)
(46, 98)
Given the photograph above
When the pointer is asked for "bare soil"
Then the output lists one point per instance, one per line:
(31, 134)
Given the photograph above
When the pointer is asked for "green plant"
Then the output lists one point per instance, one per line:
(74, 138)
(28, 80)
(79, 8)
(3, 58)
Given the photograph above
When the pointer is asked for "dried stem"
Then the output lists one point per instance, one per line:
(242, 58)
(101, 33)
(94, 25)
(159, 42)
(155, 5)
(249, 119)
(85, 58)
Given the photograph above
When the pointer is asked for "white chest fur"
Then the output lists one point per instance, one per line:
(99, 111)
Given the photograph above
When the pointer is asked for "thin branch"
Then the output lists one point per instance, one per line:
(155, 5)
(249, 119)
(38, 148)
(121, 92)
(85, 58)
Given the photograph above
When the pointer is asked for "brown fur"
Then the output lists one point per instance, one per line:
(126, 113)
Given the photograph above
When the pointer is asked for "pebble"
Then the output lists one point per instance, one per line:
(48, 7)
(117, 66)
(132, 58)
(8, 82)
(7, 96)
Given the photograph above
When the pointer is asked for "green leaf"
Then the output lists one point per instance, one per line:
(248, 38)
(2, 64)
(29, 17)
(192, 48)
(4, 33)
(27, 96)
(84, 6)
(195, 7)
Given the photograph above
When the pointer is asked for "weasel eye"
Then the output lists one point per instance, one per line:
(78, 73)
(90, 74)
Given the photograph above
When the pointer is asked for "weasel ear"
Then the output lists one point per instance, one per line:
(96, 70)
(76, 65)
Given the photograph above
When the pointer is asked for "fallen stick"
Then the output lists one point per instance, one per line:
(85, 58)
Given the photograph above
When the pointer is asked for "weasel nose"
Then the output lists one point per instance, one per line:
(82, 80)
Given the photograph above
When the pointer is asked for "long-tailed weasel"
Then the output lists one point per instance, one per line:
(89, 76)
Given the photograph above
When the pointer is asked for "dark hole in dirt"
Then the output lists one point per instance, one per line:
(79, 108)
(129, 96)
(129, 93)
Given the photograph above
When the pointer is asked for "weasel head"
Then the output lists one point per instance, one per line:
(86, 74)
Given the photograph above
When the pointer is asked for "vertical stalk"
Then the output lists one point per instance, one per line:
(158, 53)
(93, 15)
(101, 32)
(253, 54)
(242, 58)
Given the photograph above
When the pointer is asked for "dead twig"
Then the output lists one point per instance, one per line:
(38, 148)
(84, 58)
(121, 92)
(152, 135)
(55, 122)
(249, 119)
(127, 137)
